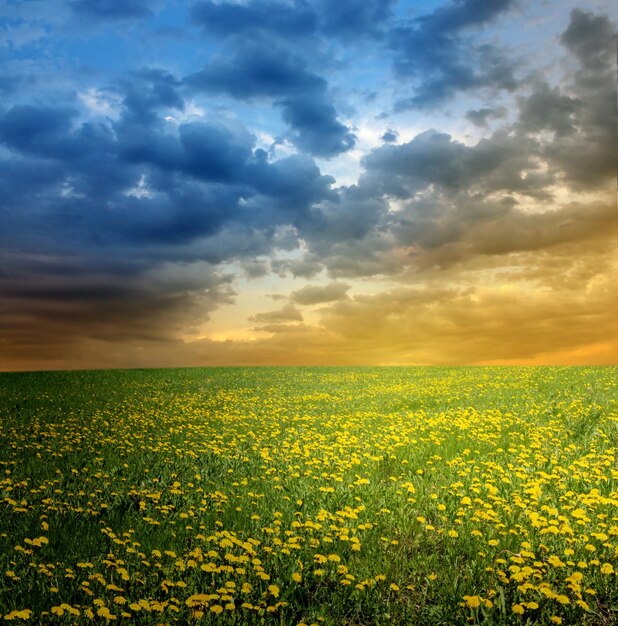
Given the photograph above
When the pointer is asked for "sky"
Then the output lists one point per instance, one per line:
(307, 182)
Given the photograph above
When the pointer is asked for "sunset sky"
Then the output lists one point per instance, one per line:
(282, 182)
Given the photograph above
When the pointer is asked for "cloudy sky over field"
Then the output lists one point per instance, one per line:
(307, 182)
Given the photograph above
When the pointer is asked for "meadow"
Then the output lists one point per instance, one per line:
(316, 496)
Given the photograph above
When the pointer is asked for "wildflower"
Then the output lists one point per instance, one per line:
(24, 614)
(472, 602)
(103, 611)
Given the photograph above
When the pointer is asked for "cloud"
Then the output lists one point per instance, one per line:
(111, 9)
(288, 313)
(258, 69)
(315, 127)
(147, 90)
(463, 234)
(195, 177)
(213, 151)
(318, 294)
(592, 39)
(548, 109)
(307, 267)
(458, 202)
(468, 324)
(474, 324)
(481, 117)
(81, 249)
(354, 18)
(435, 159)
(36, 129)
(437, 53)
(57, 305)
(281, 18)
(346, 19)
(390, 136)
(584, 146)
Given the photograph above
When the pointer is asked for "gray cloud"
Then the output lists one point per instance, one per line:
(481, 117)
(439, 57)
(318, 294)
(287, 313)
(587, 157)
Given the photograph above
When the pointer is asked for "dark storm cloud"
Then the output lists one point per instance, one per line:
(437, 53)
(105, 220)
(193, 179)
(55, 307)
(111, 9)
(260, 70)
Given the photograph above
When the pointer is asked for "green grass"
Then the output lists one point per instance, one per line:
(399, 495)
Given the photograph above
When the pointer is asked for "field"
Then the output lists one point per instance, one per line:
(343, 496)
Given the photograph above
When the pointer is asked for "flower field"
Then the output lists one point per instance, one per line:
(343, 496)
